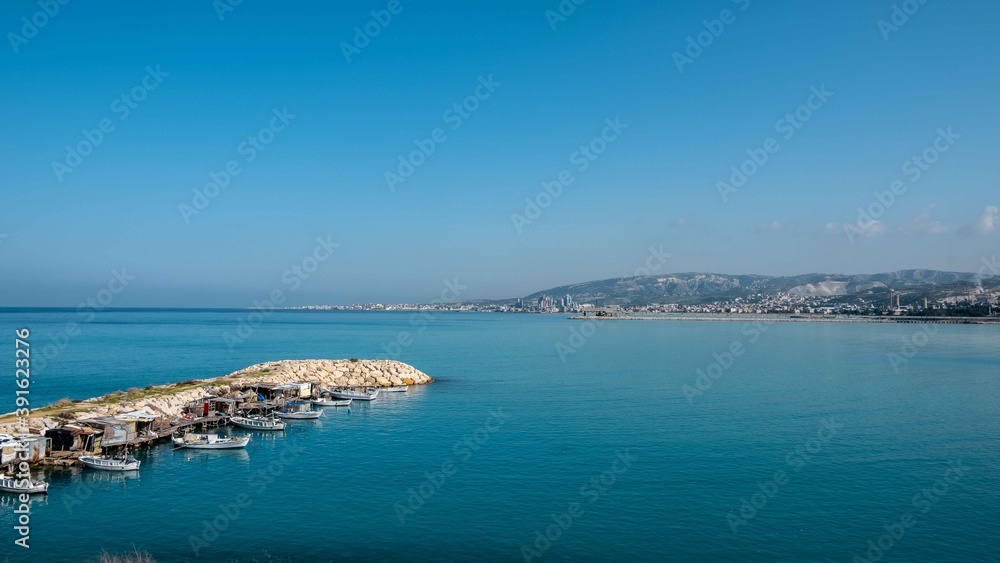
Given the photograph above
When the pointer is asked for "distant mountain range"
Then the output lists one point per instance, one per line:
(702, 288)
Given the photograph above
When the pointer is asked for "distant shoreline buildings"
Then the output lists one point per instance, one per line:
(758, 304)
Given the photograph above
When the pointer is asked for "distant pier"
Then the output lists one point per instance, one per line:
(793, 318)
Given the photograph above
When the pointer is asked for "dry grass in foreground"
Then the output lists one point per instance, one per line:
(135, 557)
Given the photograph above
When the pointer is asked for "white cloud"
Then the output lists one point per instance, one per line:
(988, 221)
(772, 226)
(873, 229)
(922, 223)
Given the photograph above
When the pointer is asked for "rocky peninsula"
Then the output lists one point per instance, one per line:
(170, 399)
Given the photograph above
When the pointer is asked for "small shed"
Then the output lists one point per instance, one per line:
(74, 438)
(264, 390)
(38, 448)
(117, 432)
(144, 419)
(296, 389)
(222, 405)
(259, 407)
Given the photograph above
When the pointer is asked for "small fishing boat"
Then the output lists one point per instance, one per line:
(355, 394)
(300, 415)
(210, 442)
(258, 422)
(327, 402)
(22, 485)
(396, 389)
(119, 462)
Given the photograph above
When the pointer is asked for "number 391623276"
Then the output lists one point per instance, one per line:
(22, 362)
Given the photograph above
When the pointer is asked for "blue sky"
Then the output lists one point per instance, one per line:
(211, 83)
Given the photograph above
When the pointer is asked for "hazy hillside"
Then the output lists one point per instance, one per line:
(693, 288)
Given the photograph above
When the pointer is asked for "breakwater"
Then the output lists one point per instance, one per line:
(170, 400)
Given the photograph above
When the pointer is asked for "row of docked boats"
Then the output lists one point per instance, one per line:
(338, 397)
(273, 422)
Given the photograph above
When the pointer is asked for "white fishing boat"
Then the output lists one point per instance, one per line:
(8, 440)
(355, 394)
(300, 415)
(258, 422)
(118, 462)
(210, 442)
(396, 389)
(326, 402)
(22, 485)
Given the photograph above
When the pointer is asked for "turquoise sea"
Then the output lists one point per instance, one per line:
(543, 439)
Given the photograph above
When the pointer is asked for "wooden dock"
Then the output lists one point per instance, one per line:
(176, 426)
(71, 458)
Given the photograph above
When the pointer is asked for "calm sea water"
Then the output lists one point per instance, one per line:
(599, 448)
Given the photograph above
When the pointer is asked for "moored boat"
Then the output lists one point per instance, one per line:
(258, 422)
(326, 402)
(22, 485)
(396, 389)
(119, 462)
(355, 394)
(300, 415)
(210, 442)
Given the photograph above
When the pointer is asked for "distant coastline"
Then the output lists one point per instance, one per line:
(793, 318)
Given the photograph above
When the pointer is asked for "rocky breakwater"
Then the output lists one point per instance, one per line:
(171, 399)
(334, 373)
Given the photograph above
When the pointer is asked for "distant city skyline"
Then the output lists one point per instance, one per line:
(388, 151)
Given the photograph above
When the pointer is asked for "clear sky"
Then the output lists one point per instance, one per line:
(339, 109)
